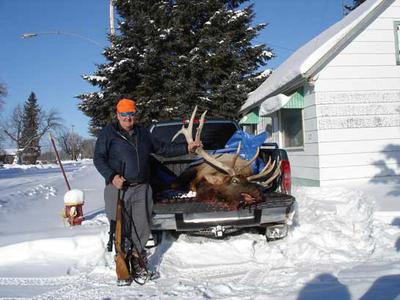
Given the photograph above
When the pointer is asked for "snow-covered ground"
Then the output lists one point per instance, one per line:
(346, 246)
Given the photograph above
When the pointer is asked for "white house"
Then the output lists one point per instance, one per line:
(335, 103)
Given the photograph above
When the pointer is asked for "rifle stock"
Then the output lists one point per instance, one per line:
(121, 266)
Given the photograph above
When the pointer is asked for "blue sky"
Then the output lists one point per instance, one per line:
(51, 65)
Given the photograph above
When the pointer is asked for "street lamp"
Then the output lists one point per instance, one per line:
(29, 35)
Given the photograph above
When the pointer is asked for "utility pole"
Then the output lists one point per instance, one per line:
(343, 9)
(112, 29)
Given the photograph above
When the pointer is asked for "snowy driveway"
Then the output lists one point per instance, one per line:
(339, 250)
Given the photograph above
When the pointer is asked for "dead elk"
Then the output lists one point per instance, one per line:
(226, 180)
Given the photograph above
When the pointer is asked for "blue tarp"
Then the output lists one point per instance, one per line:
(249, 145)
(248, 148)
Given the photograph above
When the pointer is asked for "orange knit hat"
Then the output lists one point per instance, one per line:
(126, 105)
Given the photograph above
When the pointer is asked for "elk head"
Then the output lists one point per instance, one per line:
(226, 180)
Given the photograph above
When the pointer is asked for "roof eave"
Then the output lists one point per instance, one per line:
(291, 85)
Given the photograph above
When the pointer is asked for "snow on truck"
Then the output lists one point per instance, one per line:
(231, 193)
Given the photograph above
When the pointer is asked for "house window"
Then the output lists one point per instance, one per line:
(249, 122)
(397, 40)
(250, 129)
(292, 121)
(292, 128)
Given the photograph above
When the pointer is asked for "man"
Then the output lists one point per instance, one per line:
(126, 142)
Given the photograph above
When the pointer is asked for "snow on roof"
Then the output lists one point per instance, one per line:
(313, 53)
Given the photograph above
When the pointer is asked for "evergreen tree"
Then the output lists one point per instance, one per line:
(355, 4)
(30, 135)
(26, 126)
(173, 55)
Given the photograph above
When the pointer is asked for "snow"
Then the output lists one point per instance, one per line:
(265, 73)
(95, 78)
(345, 245)
(268, 54)
(273, 104)
(73, 197)
(236, 14)
(314, 52)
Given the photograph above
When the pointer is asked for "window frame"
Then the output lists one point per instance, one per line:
(283, 134)
(295, 103)
(396, 29)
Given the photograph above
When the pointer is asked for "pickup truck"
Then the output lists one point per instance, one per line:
(181, 212)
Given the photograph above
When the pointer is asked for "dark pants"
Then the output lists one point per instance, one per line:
(138, 207)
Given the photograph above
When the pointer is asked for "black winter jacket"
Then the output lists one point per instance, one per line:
(114, 146)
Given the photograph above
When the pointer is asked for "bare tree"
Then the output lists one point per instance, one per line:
(49, 121)
(88, 148)
(3, 94)
(70, 143)
(14, 126)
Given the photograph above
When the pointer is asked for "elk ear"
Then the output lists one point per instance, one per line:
(212, 179)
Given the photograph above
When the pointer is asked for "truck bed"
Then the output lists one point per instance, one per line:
(192, 205)
(191, 215)
(170, 212)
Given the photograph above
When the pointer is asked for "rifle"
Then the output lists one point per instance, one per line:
(122, 268)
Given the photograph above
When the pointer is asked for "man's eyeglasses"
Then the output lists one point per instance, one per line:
(127, 114)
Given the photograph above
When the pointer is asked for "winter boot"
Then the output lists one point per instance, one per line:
(124, 282)
(139, 271)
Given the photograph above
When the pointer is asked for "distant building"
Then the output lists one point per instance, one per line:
(7, 156)
(335, 103)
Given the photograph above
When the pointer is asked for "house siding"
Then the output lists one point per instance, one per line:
(305, 162)
(357, 98)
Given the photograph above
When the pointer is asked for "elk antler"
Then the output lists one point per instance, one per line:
(250, 161)
(187, 132)
(265, 172)
(235, 156)
(276, 173)
(227, 168)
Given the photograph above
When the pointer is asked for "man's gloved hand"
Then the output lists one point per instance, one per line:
(118, 181)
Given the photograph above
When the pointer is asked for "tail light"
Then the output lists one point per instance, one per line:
(286, 181)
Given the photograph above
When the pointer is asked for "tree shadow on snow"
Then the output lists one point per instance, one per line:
(166, 241)
(388, 174)
(385, 287)
(93, 214)
(325, 286)
(21, 172)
